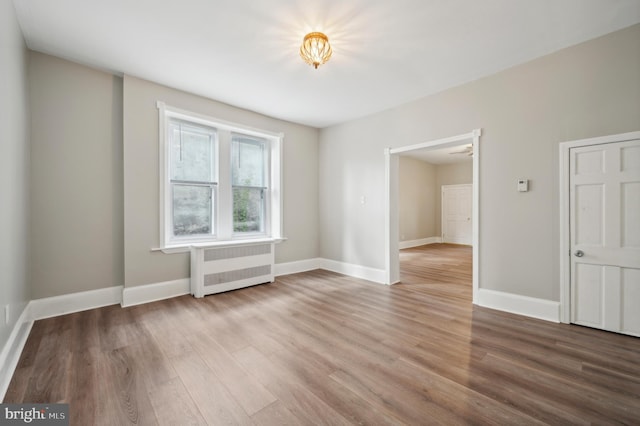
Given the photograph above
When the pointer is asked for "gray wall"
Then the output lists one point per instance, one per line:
(14, 170)
(85, 191)
(76, 174)
(141, 209)
(416, 199)
(587, 90)
(84, 168)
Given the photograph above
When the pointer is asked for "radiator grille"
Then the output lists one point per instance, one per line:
(238, 274)
(218, 269)
(233, 252)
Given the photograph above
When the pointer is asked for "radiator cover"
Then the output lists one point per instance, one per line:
(218, 269)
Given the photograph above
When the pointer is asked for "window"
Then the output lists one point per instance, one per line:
(248, 180)
(218, 181)
(192, 179)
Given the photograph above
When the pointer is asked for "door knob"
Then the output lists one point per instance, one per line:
(579, 253)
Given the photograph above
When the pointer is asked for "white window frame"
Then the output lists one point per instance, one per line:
(267, 205)
(223, 215)
(168, 208)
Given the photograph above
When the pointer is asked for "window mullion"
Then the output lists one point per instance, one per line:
(225, 194)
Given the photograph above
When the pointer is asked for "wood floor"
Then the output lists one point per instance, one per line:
(320, 348)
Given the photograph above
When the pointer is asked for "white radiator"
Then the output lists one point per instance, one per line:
(218, 269)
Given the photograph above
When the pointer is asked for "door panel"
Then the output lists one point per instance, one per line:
(589, 215)
(630, 301)
(630, 220)
(587, 295)
(456, 214)
(630, 158)
(605, 236)
(589, 162)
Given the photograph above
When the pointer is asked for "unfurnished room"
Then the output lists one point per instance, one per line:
(281, 212)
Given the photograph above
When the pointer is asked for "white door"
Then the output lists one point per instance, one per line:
(604, 192)
(456, 214)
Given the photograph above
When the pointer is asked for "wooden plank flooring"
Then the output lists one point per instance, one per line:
(321, 348)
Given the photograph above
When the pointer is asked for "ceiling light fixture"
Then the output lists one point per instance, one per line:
(315, 49)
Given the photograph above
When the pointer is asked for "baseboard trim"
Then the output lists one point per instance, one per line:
(419, 242)
(543, 309)
(74, 302)
(297, 266)
(352, 270)
(138, 295)
(10, 354)
(356, 271)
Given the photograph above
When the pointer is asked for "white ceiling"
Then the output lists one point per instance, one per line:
(245, 52)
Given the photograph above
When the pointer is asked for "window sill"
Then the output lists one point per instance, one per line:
(186, 248)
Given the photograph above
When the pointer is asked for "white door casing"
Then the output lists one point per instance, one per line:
(604, 235)
(391, 231)
(456, 214)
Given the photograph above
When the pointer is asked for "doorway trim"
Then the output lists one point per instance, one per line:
(392, 260)
(565, 214)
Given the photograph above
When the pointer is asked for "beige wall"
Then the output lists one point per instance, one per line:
(14, 171)
(141, 209)
(454, 174)
(419, 195)
(587, 90)
(416, 199)
(76, 175)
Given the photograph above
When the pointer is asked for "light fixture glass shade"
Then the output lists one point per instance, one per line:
(315, 49)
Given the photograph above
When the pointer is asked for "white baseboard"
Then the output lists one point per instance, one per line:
(75, 302)
(418, 243)
(522, 305)
(356, 271)
(138, 295)
(297, 266)
(10, 354)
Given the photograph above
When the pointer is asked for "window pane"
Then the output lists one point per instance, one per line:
(192, 210)
(248, 210)
(191, 152)
(247, 161)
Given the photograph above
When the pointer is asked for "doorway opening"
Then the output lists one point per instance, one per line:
(392, 237)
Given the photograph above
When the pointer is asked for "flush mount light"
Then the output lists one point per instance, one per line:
(315, 49)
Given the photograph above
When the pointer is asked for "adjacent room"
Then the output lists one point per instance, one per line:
(435, 207)
(365, 212)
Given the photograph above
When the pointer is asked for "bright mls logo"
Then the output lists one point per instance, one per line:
(34, 414)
